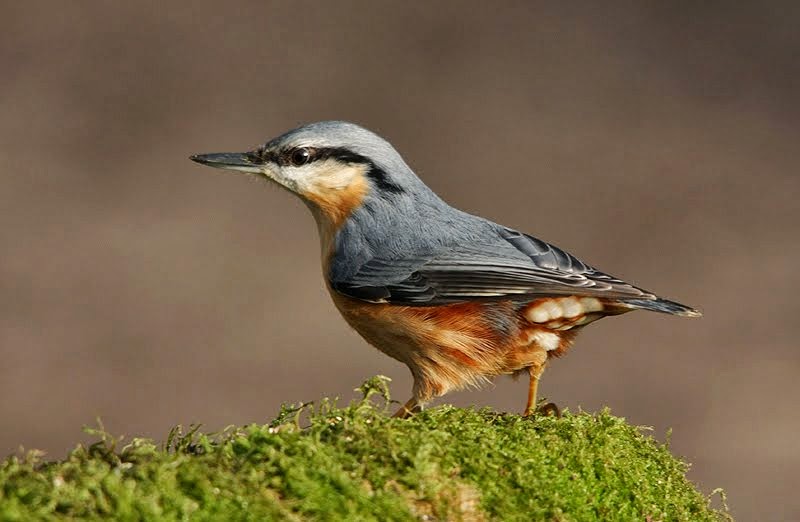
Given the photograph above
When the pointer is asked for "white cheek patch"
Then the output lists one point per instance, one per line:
(319, 177)
(548, 310)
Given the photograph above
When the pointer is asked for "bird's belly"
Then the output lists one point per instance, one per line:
(452, 346)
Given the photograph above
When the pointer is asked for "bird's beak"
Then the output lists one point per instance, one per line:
(241, 161)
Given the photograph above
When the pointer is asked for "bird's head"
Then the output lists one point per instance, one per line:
(333, 166)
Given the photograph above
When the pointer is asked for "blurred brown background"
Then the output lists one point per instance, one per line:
(658, 142)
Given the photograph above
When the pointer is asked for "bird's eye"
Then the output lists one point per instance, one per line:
(300, 157)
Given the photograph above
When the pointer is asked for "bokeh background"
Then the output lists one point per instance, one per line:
(658, 141)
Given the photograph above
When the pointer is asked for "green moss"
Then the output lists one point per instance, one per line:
(355, 463)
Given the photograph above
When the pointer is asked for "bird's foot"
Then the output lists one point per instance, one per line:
(407, 410)
(548, 408)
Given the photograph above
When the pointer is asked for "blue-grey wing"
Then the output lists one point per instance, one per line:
(511, 265)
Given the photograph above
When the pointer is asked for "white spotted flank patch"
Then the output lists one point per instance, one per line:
(546, 340)
(548, 310)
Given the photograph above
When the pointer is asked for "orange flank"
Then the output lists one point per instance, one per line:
(451, 347)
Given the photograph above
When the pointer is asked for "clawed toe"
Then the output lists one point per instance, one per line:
(408, 409)
(549, 408)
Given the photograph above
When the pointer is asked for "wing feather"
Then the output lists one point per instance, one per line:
(517, 266)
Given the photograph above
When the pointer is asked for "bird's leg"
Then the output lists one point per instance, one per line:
(408, 409)
(535, 371)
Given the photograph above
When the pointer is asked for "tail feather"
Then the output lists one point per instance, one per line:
(664, 306)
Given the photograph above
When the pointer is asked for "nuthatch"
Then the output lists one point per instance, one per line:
(457, 298)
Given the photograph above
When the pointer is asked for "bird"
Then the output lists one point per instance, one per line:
(457, 298)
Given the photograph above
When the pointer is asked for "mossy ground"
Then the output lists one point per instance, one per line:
(324, 462)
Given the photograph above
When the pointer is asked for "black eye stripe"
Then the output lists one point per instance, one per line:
(382, 180)
(343, 155)
(284, 158)
(261, 155)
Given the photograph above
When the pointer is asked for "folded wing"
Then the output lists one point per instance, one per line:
(516, 266)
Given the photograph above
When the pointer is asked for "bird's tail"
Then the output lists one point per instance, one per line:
(658, 304)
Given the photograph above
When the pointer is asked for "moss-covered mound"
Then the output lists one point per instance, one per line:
(328, 463)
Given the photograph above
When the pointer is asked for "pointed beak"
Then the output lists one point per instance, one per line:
(241, 161)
